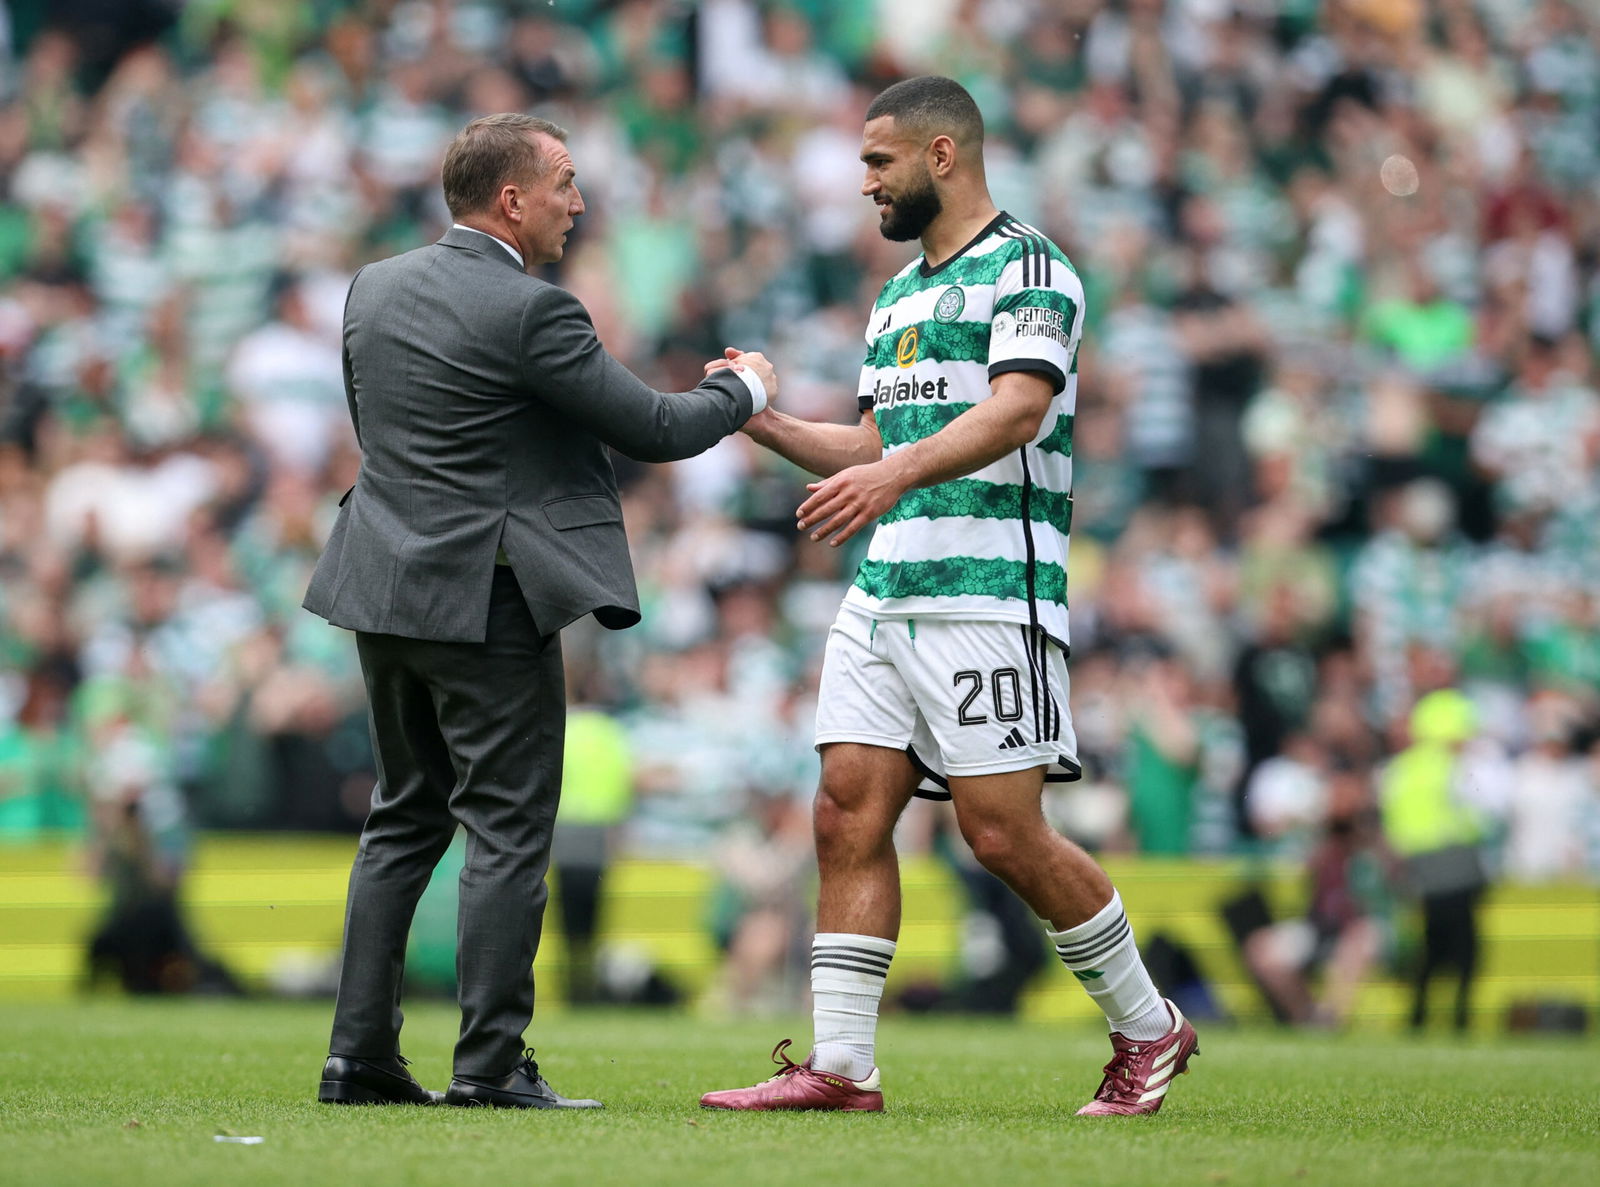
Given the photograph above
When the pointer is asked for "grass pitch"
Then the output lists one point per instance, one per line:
(118, 1092)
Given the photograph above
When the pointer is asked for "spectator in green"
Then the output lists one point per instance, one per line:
(1423, 328)
(1408, 583)
(661, 119)
(37, 756)
(1563, 649)
(1163, 754)
(270, 30)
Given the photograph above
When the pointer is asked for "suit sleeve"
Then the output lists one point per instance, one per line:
(565, 365)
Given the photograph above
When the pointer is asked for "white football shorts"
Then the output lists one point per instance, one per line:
(959, 697)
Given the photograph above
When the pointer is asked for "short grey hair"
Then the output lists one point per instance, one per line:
(490, 152)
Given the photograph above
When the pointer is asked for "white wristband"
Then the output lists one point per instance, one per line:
(758, 390)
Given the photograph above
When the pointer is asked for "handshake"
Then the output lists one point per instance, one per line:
(754, 361)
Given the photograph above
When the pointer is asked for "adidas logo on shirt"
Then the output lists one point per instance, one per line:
(1013, 740)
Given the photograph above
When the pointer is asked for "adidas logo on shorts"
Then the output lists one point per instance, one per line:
(1013, 740)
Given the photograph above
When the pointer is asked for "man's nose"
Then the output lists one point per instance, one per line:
(576, 207)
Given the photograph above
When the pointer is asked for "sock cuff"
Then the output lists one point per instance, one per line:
(844, 939)
(1095, 938)
(848, 960)
(1089, 926)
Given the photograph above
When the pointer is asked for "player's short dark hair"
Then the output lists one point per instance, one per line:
(488, 153)
(931, 105)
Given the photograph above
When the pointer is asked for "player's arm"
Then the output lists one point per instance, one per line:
(815, 446)
(818, 448)
(1002, 424)
(842, 505)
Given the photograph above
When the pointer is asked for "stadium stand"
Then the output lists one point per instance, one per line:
(1338, 443)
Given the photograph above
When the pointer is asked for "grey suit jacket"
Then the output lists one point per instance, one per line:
(483, 403)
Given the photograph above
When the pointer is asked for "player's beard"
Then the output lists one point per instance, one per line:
(911, 212)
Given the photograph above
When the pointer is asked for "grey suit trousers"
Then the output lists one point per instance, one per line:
(467, 733)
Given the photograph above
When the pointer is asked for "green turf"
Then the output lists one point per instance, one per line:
(115, 1092)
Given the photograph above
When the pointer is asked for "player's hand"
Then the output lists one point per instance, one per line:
(728, 355)
(755, 360)
(764, 370)
(842, 505)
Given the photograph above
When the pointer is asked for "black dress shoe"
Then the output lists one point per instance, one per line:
(523, 1088)
(350, 1081)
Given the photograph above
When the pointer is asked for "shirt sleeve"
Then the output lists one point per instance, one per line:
(1038, 316)
(864, 393)
(758, 390)
(866, 396)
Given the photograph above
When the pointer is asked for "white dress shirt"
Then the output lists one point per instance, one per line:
(515, 254)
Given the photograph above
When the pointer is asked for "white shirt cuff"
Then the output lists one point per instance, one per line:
(758, 390)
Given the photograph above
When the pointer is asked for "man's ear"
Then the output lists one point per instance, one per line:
(511, 203)
(942, 156)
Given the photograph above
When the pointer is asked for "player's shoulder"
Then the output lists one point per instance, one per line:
(1021, 236)
(1042, 262)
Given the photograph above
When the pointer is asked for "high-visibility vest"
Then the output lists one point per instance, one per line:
(597, 770)
(1420, 810)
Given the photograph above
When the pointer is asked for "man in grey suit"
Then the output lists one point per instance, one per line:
(485, 518)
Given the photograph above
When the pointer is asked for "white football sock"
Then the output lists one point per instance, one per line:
(847, 974)
(1103, 957)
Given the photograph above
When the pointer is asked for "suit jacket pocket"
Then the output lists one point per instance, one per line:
(582, 511)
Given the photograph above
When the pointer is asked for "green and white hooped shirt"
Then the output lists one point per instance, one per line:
(991, 545)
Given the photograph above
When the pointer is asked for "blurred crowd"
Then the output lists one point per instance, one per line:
(1338, 442)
